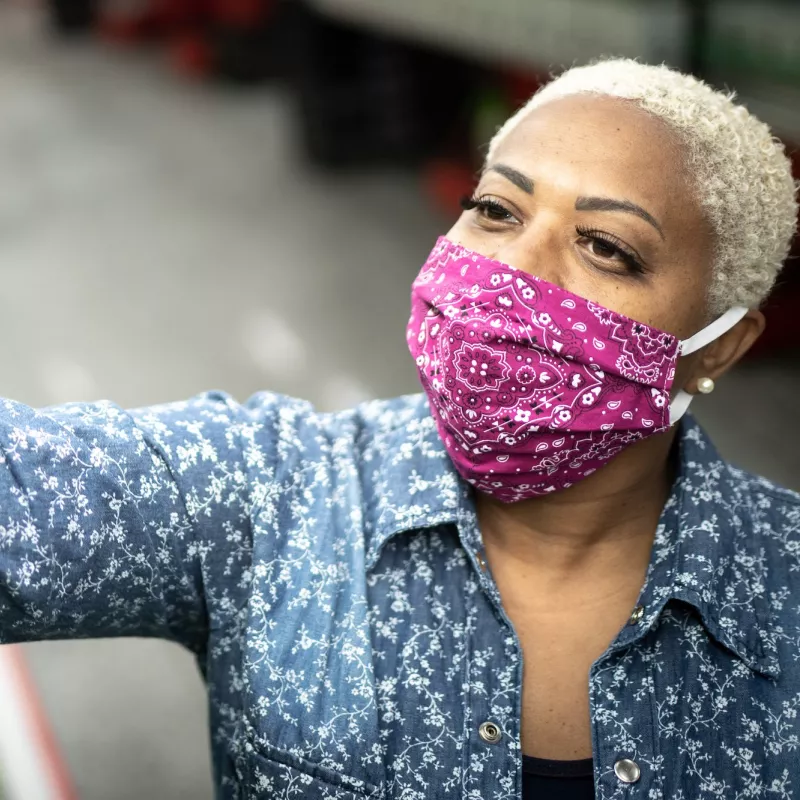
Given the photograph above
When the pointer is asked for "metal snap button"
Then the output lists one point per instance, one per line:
(627, 770)
(490, 732)
(637, 614)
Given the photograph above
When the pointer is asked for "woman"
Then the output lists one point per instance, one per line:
(536, 579)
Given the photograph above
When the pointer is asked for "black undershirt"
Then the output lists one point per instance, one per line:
(545, 779)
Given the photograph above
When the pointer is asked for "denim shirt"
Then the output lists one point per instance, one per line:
(327, 571)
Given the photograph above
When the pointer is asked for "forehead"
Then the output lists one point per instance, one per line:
(597, 145)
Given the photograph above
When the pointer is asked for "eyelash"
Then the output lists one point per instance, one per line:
(485, 206)
(628, 258)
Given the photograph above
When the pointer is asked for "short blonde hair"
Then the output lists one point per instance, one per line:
(742, 175)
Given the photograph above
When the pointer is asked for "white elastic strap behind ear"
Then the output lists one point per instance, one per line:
(680, 403)
(712, 331)
(679, 406)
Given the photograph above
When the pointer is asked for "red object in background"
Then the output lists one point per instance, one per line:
(181, 22)
(35, 765)
(124, 29)
(519, 86)
(155, 19)
(782, 333)
(241, 13)
(203, 36)
(192, 55)
(446, 181)
(159, 18)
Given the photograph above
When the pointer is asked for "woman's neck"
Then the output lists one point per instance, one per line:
(602, 526)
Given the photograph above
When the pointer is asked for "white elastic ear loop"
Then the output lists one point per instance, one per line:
(680, 403)
(712, 331)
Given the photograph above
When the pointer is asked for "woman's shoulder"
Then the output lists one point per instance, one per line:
(287, 423)
(293, 461)
(710, 479)
(764, 489)
(767, 499)
(299, 419)
(765, 525)
(743, 518)
(281, 437)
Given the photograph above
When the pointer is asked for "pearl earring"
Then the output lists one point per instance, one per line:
(705, 385)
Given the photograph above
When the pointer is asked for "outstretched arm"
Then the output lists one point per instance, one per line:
(114, 523)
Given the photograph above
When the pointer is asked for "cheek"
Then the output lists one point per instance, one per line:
(465, 233)
(672, 298)
(684, 280)
(681, 304)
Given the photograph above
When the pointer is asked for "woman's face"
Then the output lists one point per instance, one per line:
(590, 193)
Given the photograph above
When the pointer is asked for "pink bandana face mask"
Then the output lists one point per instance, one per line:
(532, 387)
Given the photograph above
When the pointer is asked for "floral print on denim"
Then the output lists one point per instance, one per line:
(325, 570)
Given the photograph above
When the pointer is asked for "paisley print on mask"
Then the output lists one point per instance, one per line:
(532, 387)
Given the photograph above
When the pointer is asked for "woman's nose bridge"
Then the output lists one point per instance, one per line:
(536, 251)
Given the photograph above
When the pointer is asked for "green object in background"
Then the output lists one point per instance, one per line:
(490, 111)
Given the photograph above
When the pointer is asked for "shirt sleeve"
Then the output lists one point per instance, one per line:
(130, 523)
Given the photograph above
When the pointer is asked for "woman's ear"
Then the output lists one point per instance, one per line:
(718, 357)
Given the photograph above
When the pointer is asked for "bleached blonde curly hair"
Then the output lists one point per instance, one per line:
(741, 173)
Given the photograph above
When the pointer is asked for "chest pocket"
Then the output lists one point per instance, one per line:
(280, 776)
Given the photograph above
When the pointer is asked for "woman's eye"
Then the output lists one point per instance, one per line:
(602, 246)
(603, 249)
(495, 212)
(488, 209)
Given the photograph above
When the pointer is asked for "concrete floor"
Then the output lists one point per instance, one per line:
(159, 238)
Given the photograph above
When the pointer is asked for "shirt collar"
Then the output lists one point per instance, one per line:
(415, 484)
(707, 550)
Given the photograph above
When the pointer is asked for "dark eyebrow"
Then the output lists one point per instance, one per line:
(517, 178)
(609, 204)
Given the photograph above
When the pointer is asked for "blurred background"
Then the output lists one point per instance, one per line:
(237, 194)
